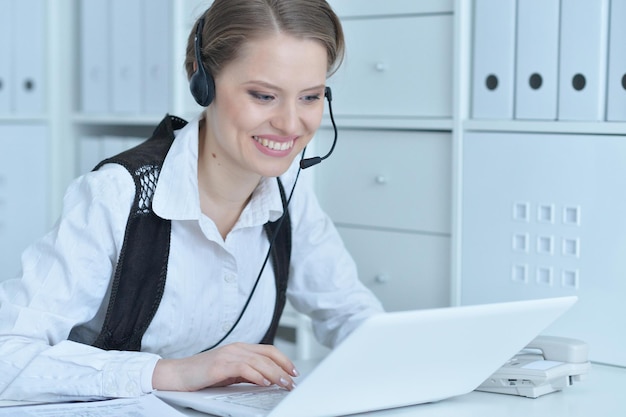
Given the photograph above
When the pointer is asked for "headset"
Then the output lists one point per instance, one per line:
(201, 83)
(202, 87)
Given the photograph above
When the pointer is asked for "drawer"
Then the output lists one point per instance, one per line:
(405, 271)
(388, 179)
(396, 67)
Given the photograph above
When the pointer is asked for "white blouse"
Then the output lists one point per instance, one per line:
(53, 312)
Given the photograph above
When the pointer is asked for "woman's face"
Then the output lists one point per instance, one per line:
(268, 104)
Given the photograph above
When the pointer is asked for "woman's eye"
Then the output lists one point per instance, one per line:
(311, 98)
(260, 96)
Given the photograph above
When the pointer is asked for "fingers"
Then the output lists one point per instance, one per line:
(260, 364)
(277, 357)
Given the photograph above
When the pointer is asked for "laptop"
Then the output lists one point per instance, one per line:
(395, 359)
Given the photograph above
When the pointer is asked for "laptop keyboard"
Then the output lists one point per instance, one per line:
(261, 399)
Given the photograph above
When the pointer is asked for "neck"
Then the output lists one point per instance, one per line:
(224, 191)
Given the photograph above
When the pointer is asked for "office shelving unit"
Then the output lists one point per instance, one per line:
(537, 206)
(33, 122)
(127, 94)
(564, 175)
(388, 184)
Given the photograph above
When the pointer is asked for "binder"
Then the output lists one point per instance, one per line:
(616, 83)
(125, 35)
(94, 56)
(6, 52)
(157, 56)
(583, 57)
(493, 60)
(536, 63)
(29, 55)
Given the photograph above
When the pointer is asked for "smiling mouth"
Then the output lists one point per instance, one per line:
(274, 145)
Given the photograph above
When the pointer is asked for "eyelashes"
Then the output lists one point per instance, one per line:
(268, 98)
(260, 96)
(314, 97)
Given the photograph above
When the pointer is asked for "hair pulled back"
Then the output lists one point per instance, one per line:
(229, 24)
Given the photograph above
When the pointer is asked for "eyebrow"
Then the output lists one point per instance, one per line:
(275, 87)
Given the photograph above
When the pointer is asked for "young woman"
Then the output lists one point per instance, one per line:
(263, 69)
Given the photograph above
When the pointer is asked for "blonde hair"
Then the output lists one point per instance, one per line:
(228, 24)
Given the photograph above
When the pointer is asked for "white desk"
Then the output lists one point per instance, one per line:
(602, 394)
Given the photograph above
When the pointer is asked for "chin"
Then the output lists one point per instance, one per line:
(270, 173)
(276, 169)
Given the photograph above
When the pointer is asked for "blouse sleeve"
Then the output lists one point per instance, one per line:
(65, 278)
(323, 283)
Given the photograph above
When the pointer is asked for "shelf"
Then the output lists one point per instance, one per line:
(553, 126)
(112, 119)
(126, 119)
(25, 119)
(390, 123)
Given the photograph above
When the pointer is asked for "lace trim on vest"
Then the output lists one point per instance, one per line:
(148, 177)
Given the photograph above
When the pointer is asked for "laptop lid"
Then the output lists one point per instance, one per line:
(406, 358)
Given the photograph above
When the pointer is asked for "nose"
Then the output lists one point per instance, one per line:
(286, 118)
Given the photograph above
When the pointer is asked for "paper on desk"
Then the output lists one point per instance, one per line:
(147, 405)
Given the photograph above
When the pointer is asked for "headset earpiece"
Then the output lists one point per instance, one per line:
(201, 83)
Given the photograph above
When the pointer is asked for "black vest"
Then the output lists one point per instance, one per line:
(141, 269)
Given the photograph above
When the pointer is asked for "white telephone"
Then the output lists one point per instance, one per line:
(546, 365)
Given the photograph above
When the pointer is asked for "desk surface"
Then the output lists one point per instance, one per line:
(601, 394)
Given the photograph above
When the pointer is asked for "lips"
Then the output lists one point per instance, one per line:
(274, 145)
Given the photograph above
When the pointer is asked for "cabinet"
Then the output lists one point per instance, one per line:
(130, 72)
(387, 187)
(24, 168)
(538, 202)
(388, 192)
(44, 84)
(31, 126)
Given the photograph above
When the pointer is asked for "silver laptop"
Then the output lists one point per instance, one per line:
(393, 360)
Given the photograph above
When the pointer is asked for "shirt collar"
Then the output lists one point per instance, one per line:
(176, 196)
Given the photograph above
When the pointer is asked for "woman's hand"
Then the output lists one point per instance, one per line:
(238, 362)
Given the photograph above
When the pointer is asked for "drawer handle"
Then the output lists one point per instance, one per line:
(382, 278)
(381, 179)
(380, 67)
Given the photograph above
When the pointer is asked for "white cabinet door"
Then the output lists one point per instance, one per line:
(405, 271)
(396, 67)
(387, 179)
(24, 189)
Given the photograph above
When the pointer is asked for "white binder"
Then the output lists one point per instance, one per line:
(6, 52)
(95, 56)
(126, 39)
(29, 55)
(156, 71)
(583, 57)
(537, 59)
(493, 60)
(616, 83)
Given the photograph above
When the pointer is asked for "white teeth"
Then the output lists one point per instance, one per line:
(276, 146)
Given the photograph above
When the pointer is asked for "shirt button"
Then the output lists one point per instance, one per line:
(226, 326)
(230, 278)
